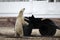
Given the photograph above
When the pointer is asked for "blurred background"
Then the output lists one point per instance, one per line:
(39, 8)
(9, 10)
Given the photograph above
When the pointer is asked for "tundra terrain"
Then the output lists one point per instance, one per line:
(7, 25)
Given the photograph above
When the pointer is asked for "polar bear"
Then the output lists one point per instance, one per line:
(20, 23)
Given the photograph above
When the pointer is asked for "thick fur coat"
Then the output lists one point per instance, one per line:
(20, 23)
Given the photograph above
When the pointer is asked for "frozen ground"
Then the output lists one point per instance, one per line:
(7, 27)
(6, 31)
(9, 31)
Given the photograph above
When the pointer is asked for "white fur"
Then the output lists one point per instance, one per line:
(19, 23)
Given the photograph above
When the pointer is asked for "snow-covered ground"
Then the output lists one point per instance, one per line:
(37, 8)
(9, 31)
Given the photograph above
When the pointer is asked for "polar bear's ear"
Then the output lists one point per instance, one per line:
(21, 12)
